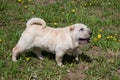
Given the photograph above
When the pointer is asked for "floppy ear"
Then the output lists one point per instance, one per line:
(72, 28)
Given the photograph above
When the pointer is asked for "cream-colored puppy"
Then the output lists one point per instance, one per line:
(57, 40)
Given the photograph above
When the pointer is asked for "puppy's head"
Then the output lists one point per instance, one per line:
(81, 33)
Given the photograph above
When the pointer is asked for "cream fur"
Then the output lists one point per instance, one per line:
(55, 40)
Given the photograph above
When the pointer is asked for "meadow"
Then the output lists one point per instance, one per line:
(100, 59)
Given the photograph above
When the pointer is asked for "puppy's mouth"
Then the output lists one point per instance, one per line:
(84, 40)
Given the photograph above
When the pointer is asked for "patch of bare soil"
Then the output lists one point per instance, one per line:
(78, 74)
(95, 51)
(112, 54)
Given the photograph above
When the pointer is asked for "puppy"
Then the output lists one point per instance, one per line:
(38, 36)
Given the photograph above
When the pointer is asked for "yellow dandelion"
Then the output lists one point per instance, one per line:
(100, 30)
(19, 0)
(111, 60)
(73, 1)
(63, 12)
(95, 39)
(28, 58)
(55, 23)
(90, 4)
(0, 40)
(22, 2)
(99, 36)
(111, 36)
(109, 3)
(108, 37)
(85, 4)
(73, 10)
(29, 0)
(32, 12)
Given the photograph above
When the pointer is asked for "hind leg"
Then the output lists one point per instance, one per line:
(15, 52)
(37, 52)
(19, 49)
(25, 42)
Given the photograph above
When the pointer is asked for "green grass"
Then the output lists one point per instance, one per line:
(101, 56)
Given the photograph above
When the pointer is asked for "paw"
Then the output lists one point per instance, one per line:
(14, 59)
(41, 58)
(77, 59)
(60, 64)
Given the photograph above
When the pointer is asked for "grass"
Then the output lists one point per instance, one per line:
(101, 56)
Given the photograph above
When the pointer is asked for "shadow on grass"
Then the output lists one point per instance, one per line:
(85, 58)
(66, 59)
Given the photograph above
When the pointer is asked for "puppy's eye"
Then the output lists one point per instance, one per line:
(81, 29)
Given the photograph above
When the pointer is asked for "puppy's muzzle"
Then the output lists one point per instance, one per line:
(85, 40)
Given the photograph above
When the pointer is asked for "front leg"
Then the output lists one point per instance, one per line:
(37, 52)
(59, 58)
(76, 54)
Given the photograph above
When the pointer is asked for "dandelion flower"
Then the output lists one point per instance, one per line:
(22, 2)
(19, 0)
(28, 58)
(73, 10)
(55, 23)
(85, 4)
(90, 4)
(119, 40)
(0, 40)
(100, 30)
(73, 1)
(108, 37)
(111, 60)
(32, 12)
(99, 36)
(29, 0)
(95, 39)
(63, 12)
(109, 3)
(111, 36)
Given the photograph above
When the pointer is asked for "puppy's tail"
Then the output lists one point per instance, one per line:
(37, 21)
